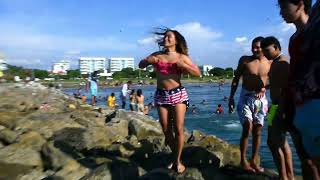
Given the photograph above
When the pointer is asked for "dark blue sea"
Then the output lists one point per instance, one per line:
(225, 126)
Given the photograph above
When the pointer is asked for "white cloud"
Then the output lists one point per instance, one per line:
(25, 44)
(147, 41)
(72, 52)
(241, 39)
(194, 31)
(287, 27)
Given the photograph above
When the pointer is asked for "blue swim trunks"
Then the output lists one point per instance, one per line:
(307, 121)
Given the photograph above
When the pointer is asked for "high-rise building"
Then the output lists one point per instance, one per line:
(3, 65)
(119, 63)
(61, 67)
(88, 65)
(205, 69)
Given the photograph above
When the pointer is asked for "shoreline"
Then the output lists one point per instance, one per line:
(118, 83)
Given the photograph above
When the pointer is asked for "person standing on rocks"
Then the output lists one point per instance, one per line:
(140, 101)
(278, 121)
(307, 88)
(132, 98)
(253, 105)
(93, 86)
(296, 12)
(124, 93)
(171, 97)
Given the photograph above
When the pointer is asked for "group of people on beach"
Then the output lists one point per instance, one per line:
(294, 89)
(136, 98)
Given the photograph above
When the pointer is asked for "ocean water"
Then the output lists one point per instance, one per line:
(225, 126)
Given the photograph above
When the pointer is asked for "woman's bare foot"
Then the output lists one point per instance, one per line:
(257, 168)
(247, 167)
(180, 168)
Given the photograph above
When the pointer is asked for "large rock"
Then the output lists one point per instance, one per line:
(120, 126)
(13, 171)
(63, 163)
(143, 128)
(72, 171)
(200, 157)
(10, 119)
(34, 174)
(31, 140)
(16, 154)
(117, 169)
(227, 153)
(7, 136)
(164, 174)
(81, 139)
(89, 118)
(46, 124)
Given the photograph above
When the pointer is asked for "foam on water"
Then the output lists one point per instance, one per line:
(232, 125)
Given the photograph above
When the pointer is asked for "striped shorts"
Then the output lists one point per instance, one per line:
(171, 97)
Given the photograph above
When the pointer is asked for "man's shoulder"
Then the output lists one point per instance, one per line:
(284, 58)
(245, 58)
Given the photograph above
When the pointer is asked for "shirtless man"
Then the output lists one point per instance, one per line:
(253, 104)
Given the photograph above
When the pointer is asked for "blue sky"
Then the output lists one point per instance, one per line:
(36, 33)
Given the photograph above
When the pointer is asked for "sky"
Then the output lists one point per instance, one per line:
(37, 33)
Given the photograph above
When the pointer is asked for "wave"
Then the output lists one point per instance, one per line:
(232, 125)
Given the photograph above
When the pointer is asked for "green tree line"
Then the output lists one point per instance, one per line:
(37, 73)
(131, 73)
(124, 73)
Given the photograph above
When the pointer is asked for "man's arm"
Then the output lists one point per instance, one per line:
(235, 81)
(238, 73)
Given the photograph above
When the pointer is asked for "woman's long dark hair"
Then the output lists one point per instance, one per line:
(181, 46)
(132, 92)
(139, 92)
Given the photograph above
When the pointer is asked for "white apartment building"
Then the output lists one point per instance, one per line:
(205, 69)
(88, 65)
(119, 63)
(61, 67)
(3, 65)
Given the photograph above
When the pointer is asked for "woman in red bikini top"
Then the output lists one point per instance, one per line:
(170, 97)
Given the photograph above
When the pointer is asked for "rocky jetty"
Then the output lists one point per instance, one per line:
(45, 134)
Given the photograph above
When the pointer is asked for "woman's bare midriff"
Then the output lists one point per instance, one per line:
(167, 82)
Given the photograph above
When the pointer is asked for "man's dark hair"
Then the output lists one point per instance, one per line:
(257, 39)
(129, 82)
(307, 4)
(270, 41)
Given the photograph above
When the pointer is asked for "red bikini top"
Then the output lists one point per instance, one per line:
(167, 68)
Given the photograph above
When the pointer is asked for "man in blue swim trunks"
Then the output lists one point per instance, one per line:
(253, 104)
